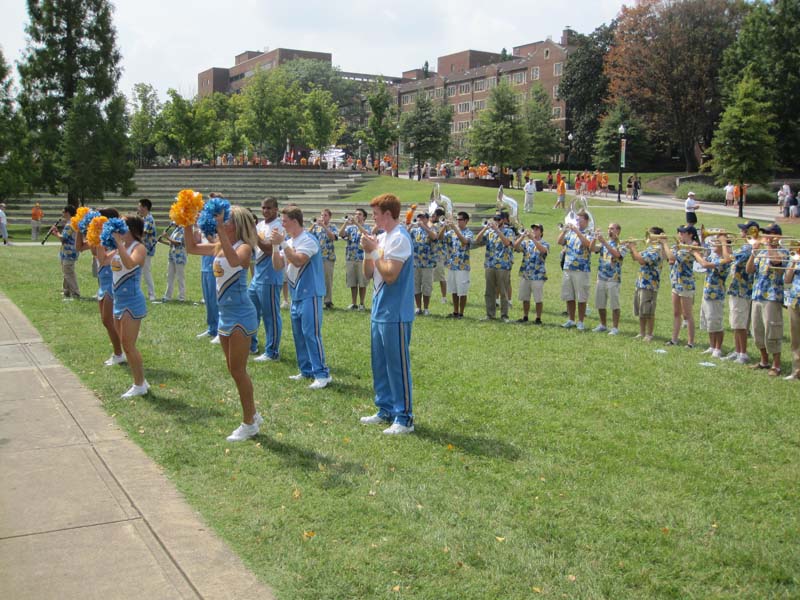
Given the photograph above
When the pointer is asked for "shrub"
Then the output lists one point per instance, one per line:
(756, 194)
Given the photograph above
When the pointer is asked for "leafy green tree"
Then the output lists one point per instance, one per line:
(584, 88)
(381, 130)
(743, 148)
(638, 145)
(186, 125)
(71, 47)
(323, 125)
(146, 107)
(117, 173)
(271, 118)
(498, 135)
(428, 128)
(12, 138)
(767, 44)
(543, 135)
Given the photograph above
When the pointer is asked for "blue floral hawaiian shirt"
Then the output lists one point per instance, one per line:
(353, 251)
(424, 251)
(498, 255)
(68, 251)
(577, 255)
(177, 254)
(533, 267)
(326, 247)
(150, 239)
(714, 285)
(768, 284)
(649, 277)
(681, 272)
(741, 282)
(458, 254)
(609, 268)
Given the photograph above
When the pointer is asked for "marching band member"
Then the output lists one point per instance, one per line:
(176, 263)
(577, 242)
(301, 256)
(717, 266)
(681, 275)
(326, 235)
(458, 239)
(609, 277)
(209, 288)
(354, 258)
(424, 239)
(766, 313)
(68, 254)
(265, 286)
(532, 271)
(150, 242)
(129, 305)
(740, 294)
(792, 302)
(647, 283)
(440, 250)
(237, 315)
(497, 264)
(390, 267)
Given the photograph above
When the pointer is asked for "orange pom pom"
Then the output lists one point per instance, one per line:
(186, 208)
(94, 230)
(73, 222)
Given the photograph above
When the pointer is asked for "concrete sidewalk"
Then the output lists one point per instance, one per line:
(84, 513)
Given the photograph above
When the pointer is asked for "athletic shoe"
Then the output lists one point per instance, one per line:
(742, 359)
(522, 320)
(397, 429)
(709, 350)
(254, 352)
(264, 358)
(716, 354)
(443, 300)
(258, 419)
(426, 313)
(505, 319)
(136, 390)
(116, 359)
(569, 323)
(243, 432)
(352, 307)
(647, 338)
(285, 304)
(537, 322)
(329, 305)
(362, 308)
(452, 316)
(732, 356)
(206, 333)
(580, 326)
(298, 377)
(613, 331)
(638, 336)
(320, 382)
(600, 329)
(792, 376)
(671, 343)
(418, 311)
(215, 340)
(375, 419)
(690, 346)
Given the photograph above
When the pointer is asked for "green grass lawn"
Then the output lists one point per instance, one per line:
(545, 462)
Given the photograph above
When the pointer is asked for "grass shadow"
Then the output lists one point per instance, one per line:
(337, 473)
(479, 446)
(180, 411)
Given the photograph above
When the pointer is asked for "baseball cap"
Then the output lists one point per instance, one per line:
(748, 225)
(773, 229)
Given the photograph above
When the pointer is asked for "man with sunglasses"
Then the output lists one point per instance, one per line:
(498, 237)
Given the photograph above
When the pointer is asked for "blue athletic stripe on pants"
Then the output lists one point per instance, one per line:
(267, 300)
(391, 371)
(307, 331)
(210, 298)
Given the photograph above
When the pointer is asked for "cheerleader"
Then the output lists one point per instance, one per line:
(237, 314)
(129, 305)
(105, 295)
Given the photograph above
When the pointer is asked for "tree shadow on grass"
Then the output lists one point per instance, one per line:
(180, 411)
(481, 446)
(337, 473)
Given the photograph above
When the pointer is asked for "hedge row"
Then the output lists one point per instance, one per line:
(756, 194)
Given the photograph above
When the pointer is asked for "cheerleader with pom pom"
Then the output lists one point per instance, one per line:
(237, 315)
(129, 305)
(89, 230)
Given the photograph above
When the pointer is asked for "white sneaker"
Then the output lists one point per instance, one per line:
(613, 331)
(215, 340)
(258, 419)
(732, 356)
(580, 326)
(716, 353)
(742, 359)
(116, 359)
(568, 324)
(297, 377)
(204, 334)
(362, 308)
(600, 329)
(397, 429)
(709, 350)
(373, 420)
(136, 390)
(284, 304)
(243, 432)
(320, 382)
(264, 358)
(426, 312)
(353, 307)
(443, 300)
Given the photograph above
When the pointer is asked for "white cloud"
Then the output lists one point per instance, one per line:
(166, 43)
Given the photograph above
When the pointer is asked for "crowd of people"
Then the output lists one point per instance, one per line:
(403, 260)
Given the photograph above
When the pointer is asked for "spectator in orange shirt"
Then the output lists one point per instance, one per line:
(37, 214)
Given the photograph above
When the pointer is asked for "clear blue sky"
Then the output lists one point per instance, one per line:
(167, 43)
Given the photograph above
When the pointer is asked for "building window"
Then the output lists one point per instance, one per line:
(491, 82)
(407, 99)
(518, 78)
(438, 92)
(480, 85)
(558, 69)
(478, 105)
(452, 127)
(464, 88)
(546, 53)
(555, 92)
(534, 73)
(451, 90)
(429, 94)
(463, 107)
(556, 112)
(463, 125)
(506, 78)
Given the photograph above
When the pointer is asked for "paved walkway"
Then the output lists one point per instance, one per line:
(84, 513)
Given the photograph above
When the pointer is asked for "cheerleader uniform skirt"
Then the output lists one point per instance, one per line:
(236, 311)
(106, 279)
(128, 298)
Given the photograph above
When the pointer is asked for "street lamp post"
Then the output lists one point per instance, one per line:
(569, 160)
(621, 131)
(359, 151)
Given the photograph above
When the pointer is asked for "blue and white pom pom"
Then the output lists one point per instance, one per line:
(83, 224)
(111, 227)
(207, 221)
